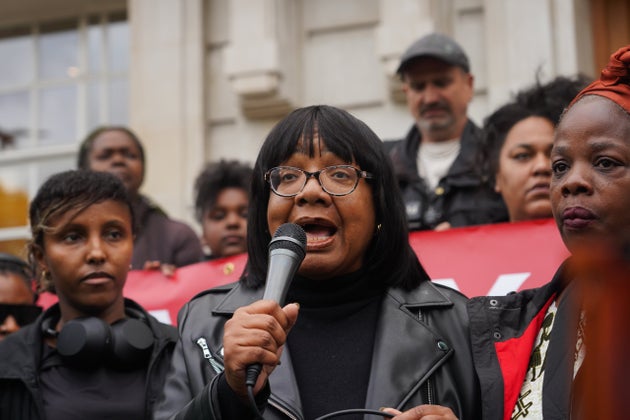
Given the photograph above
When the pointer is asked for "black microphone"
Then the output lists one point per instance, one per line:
(287, 250)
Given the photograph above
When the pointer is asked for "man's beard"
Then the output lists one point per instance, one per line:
(436, 125)
(431, 125)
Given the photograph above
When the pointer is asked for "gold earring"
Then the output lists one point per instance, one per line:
(46, 283)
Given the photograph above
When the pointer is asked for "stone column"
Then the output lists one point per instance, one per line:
(166, 97)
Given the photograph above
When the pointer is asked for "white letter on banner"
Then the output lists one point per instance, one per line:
(447, 282)
(162, 315)
(507, 283)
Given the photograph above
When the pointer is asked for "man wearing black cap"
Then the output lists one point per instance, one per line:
(439, 162)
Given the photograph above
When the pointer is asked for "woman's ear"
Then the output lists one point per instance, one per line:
(42, 273)
(38, 255)
(497, 186)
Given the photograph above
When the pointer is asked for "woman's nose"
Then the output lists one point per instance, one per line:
(313, 191)
(96, 253)
(576, 181)
(233, 218)
(118, 158)
(9, 325)
(542, 164)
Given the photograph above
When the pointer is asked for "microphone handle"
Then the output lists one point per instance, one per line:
(283, 263)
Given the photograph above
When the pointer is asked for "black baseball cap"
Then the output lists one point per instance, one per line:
(435, 45)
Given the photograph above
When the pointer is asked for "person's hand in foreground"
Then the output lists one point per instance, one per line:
(256, 334)
(423, 412)
(167, 269)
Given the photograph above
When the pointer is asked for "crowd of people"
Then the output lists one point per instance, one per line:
(360, 328)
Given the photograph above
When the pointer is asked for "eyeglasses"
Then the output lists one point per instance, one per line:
(287, 181)
(23, 314)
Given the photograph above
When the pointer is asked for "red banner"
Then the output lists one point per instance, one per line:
(492, 259)
(488, 259)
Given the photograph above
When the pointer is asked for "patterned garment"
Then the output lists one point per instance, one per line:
(529, 403)
(580, 348)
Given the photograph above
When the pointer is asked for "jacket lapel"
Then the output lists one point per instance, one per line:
(284, 387)
(406, 350)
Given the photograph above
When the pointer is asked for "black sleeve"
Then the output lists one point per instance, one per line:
(232, 406)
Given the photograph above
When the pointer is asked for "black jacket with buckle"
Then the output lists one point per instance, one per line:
(463, 197)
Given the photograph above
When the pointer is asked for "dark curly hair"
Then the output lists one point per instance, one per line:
(217, 176)
(546, 100)
(389, 256)
(73, 190)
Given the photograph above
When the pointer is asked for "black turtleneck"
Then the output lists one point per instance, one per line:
(331, 343)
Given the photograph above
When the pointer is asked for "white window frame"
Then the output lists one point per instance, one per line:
(34, 154)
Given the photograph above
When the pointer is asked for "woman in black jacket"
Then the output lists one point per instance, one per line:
(372, 330)
(94, 355)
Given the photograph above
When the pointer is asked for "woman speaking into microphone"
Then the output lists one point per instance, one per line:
(364, 327)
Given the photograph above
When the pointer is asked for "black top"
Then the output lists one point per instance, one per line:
(64, 400)
(331, 343)
(24, 388)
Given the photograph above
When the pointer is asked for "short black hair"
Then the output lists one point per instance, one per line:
(72, 190)
(547, 100)
(215, 177)
(390, 255)
(11, 264)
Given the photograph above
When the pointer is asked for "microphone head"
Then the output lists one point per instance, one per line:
(289, 236)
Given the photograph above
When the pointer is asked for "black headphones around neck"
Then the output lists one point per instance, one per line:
(89, 342)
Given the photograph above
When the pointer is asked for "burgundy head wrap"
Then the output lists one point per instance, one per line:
(614, 81)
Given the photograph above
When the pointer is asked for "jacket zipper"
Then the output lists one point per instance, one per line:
(428, 384)
(218, 368)
(429, 392)
(214, 364)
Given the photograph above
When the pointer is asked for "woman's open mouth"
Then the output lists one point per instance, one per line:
(319, 234)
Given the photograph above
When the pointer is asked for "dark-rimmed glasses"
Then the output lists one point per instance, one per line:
(338, 180)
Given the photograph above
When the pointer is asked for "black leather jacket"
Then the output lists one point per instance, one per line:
(421, 356)
(464, 197)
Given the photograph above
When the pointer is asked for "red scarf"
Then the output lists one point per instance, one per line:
(614, 81)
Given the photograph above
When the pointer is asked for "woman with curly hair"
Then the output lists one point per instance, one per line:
(221, 200)
(518, 138)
